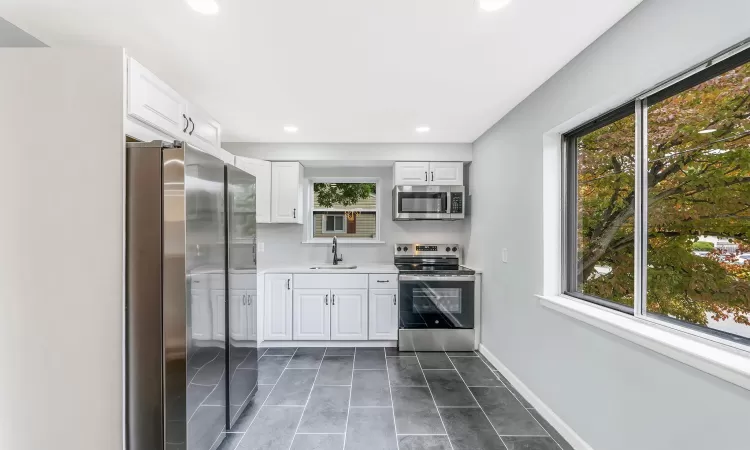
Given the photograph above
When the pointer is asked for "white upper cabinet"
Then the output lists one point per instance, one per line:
(312, 314)
(428, 173)
(349, 314)
(411, 173)
(261, 170)
(278, 307)
(286, 192)
(447, 173)
(204, 132)
(383, 314)
(152, 101)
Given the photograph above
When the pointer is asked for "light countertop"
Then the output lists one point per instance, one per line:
(361, 268)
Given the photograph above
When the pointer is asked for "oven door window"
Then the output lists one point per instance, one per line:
(422, 202)
(436, 304)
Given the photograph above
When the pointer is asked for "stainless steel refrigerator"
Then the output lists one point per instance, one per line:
(191, 355)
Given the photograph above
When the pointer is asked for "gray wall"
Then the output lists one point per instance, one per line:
(12, 36)
(614, 394)
(283, 242)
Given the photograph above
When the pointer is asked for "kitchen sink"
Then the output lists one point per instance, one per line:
(331, 266)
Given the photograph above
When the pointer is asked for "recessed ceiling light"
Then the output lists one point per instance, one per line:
(707, 130)
(493, 5)
(423, 129)
(204, 6)
(290, 128)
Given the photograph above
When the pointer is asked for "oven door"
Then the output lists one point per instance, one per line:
(421, 202)
(434, 301)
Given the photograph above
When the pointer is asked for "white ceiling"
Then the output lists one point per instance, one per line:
(340, 70)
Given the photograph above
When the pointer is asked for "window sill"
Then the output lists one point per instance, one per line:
(723, 362)
(328, 241)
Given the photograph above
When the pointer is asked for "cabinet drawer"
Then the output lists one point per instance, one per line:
(216, 280)
(199, 281)
(243, 281)
(383, 280)
(330, 281)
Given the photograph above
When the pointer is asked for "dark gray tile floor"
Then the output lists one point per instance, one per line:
(383, 399)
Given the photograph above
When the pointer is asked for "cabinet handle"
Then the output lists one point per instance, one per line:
(187, 124)
(244, 299)
(294, 213)
(432, 176)
(394, 299)
(288, 282)
(383, 281)
(425, 176)
(192, 129)
(326, 299)
(333, 300)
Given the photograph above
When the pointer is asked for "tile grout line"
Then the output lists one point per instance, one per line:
(312, 387)
(480, 405)
(429, 389)
(244, 433)
(349, 407)
(390, 390)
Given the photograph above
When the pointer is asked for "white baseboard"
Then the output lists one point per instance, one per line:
(565, 431)
(328, 344)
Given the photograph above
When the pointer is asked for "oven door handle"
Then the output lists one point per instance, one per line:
(436, 277)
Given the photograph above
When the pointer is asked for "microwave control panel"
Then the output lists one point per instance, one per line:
(457, 204)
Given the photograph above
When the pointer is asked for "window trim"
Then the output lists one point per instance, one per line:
(723, 62)
(309, 223)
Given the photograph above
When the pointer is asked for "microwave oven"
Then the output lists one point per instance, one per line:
(429, 202)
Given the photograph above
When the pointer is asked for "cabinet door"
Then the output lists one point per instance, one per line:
(286, 192)
(278, 307)
(447, 173)
(349, 314)
(312, 314)
(238, 315)
(411, 173)
(383, 314)
(219, 314)
(153, 102)
(200, 314)
(251, 319)
(261, 170)
(204, 132)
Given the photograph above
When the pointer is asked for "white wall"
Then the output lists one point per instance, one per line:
(283, 242)
(12, 36)
(61, 178)
(351, 152)
(614, 394)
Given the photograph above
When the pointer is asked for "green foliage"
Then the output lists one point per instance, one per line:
(345, 194)
(698, 184)
(703, 246)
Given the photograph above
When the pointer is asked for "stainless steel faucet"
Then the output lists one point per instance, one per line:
(336, 257)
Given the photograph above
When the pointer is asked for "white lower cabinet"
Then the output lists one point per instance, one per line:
(200, 314)
(278, 307)
(349, 314)
(238, 320)
(218, 308)
(250, 317)
(312, 314)
(383, 315)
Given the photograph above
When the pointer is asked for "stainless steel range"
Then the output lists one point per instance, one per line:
(437, 298)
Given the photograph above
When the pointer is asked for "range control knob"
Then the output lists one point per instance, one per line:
(406, 249)
(455, 249)
(447, 249)
(398, 249)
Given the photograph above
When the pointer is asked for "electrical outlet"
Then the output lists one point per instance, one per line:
(505, 255)
(261, 247)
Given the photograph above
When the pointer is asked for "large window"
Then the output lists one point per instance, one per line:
(657, 208)
(345, 209)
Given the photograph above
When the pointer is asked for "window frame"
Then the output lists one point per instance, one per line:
(715, 66)
(309, 222)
